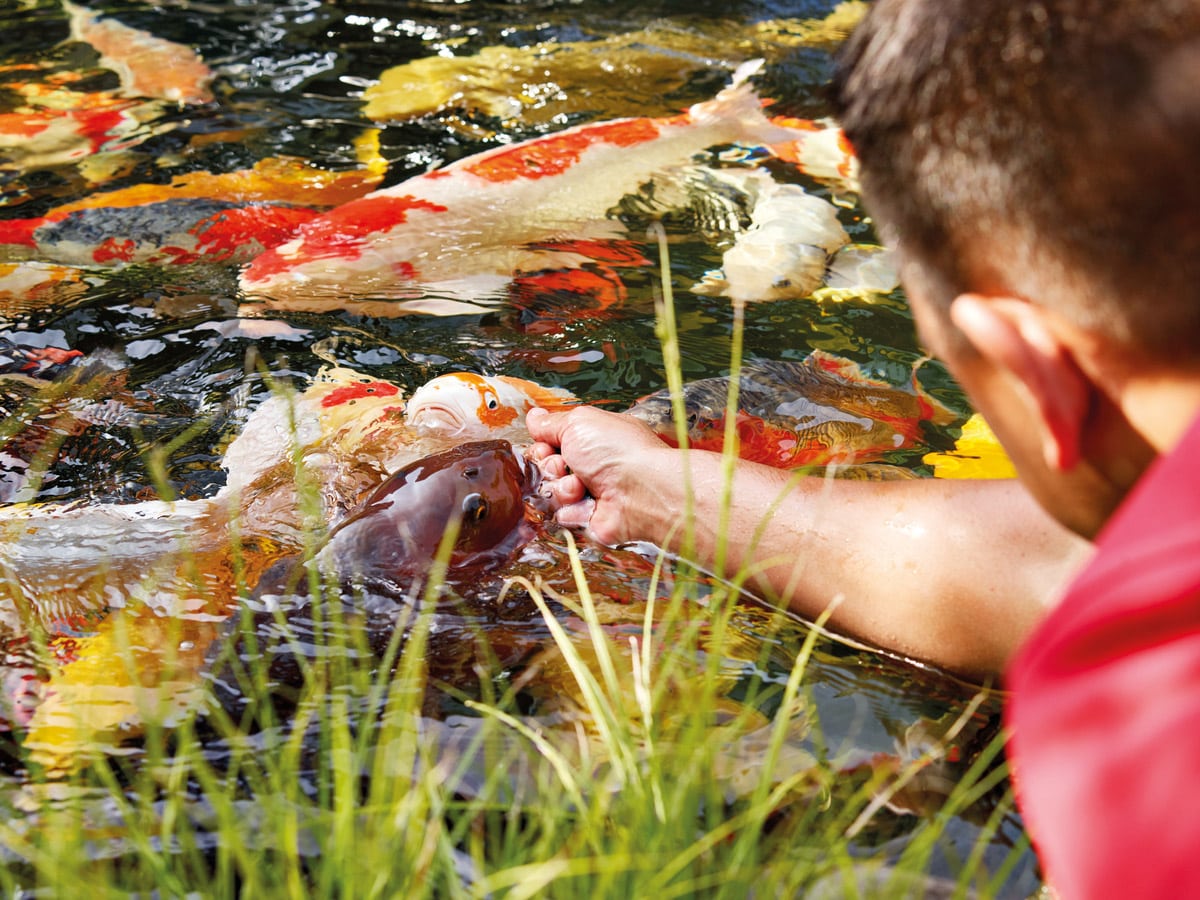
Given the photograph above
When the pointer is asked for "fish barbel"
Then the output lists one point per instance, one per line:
(464, 230)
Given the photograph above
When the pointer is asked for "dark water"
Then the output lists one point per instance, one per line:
(289, 83)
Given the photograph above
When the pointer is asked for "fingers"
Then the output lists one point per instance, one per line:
(544, 427)
(568, 489)
(576, 515)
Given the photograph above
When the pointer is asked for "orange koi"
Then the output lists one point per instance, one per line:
(463, 231)
(816, 412)
(147, 66)
(547, 301)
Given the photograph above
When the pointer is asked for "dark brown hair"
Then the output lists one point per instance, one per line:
(1050, 147)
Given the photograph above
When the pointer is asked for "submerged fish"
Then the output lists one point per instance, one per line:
(820, 411)
(147, 66)
(27, 287)
(545, 81)
(198, 216)
(465, 230)
(794, 247)
(44, 137)
(370, 571)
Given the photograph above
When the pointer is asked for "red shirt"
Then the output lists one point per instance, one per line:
(1105, 712)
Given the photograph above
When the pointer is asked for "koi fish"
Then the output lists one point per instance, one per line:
(464, 230)
(147, 66)
(820, 149)
(817, 412)
(27, 287)
(552, 79)
(462, 401)
(197, 217)
(794, 247)
(393, 535)
(977, 453)
(43, 138)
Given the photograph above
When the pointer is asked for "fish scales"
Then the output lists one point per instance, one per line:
(811, 412)
(467, 229)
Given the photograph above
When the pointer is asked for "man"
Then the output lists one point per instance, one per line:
(1037, 165)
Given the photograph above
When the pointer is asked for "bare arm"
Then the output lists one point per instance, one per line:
(952, 572)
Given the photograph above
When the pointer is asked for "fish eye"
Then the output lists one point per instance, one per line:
(471, 472)
(475, 508)
(493, 402)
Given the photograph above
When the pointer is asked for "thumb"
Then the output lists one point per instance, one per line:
(543, 425)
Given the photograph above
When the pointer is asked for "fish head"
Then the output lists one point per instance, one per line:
(703, 410)
(473, 493)
(471, 405)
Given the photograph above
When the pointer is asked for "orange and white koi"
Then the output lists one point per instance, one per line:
(461, 402)
(819, 149)
(816, 412)
(464, 230)
(148, 66)
(348, 430)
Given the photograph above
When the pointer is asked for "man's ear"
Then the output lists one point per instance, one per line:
(1018, 337)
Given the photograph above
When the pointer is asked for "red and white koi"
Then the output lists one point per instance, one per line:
(464, 230)
(35, 138)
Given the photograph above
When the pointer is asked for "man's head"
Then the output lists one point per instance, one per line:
(1037, 164)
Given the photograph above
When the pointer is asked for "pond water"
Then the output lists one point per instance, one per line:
(179, 373)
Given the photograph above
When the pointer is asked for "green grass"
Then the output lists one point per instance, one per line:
(354, 792)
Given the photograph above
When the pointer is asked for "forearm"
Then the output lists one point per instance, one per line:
(952, 572)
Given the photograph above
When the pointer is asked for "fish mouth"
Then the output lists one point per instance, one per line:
(435, 416)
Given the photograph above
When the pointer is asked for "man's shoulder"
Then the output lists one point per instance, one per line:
(1104, 705)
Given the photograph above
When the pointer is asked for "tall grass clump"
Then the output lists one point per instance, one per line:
(645, 769)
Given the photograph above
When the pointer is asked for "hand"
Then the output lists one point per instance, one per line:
(602, 469)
